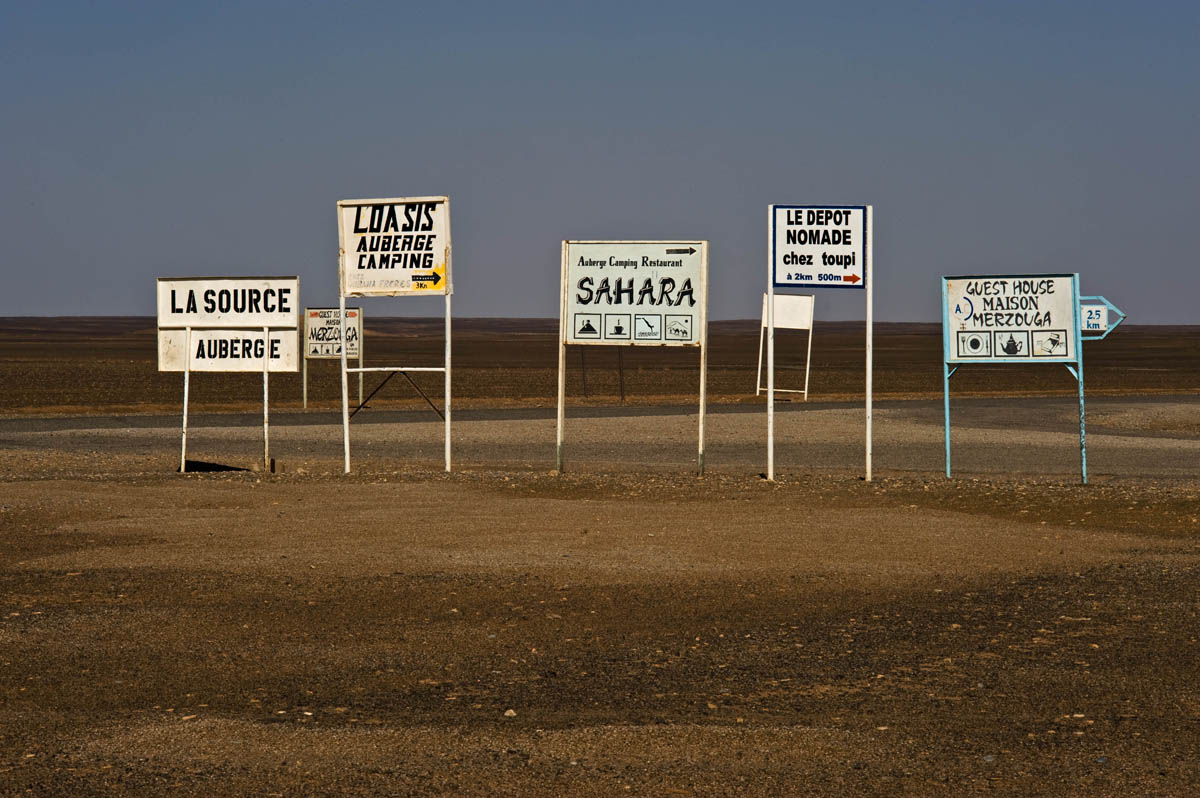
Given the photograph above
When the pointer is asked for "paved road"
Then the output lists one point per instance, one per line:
(1127, 437)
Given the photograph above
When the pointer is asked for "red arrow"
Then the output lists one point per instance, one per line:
(851, 278)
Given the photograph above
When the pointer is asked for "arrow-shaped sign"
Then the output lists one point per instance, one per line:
(851, 278)
(434, 278)
(1105, 307)
(688, 251)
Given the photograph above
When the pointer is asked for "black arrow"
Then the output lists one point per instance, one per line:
(688, 251)
(427, 278)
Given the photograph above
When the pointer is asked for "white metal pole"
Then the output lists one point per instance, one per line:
(761, 331)
(562, 396)
(304, 368)
(266, 380)
(869, 276)
(187, 373)
(703, 354)
(812, 324)
(447, 382)
(562, 359)
(362, 341)
(345, 386)
(770, 346)
(703, 399)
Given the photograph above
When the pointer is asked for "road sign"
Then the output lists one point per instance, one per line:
(227, 350)
(650, 293)
(228, 302)
(394, 247)
(1095, 318)
(228, 324)
(819, 246)
(323, 333)
(1012, 318)
(633, 293)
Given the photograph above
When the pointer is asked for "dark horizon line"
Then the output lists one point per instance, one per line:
(540, 320)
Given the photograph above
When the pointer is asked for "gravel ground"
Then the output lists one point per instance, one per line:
(626, 627)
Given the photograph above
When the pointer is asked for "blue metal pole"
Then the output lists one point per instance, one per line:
(946, 407)
(1079, 376)
(946, 372)
(1082, 432)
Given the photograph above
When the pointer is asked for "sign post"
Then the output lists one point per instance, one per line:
(633, 293)
(393, 247)
(1012, 318)
(228, 324)
(819, 246)
(323, 341)
(1095, 317)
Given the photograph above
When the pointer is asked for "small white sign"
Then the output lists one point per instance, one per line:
(634, 292)
(1013, 318)
(229, 302)
(323, 333)
(227, 350)
(394, 247)
(792, 311)
(1094, 318)
(819, 246)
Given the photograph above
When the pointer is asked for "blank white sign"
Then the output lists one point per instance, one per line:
(792, 311)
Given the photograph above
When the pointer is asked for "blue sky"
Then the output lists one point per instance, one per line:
(160, 139)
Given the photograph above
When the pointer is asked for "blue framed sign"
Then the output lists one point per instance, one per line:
(1012, 318)
(1097, 319)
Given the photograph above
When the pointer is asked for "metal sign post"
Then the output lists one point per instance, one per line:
(819, 246)
(228, 324)
(633, 293)
(393, 247)
(266, 368)
(187, 373)
(1012, 318)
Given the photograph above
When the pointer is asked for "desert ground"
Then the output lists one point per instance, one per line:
(625, 627)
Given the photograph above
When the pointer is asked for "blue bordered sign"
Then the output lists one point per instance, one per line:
(820, 246)
(1098, 319)
(1011, 318)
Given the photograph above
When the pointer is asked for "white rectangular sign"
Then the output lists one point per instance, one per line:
(227, 350)
(650, 293)
(1030, 318)
(1094, 318)
(792, 311)
(394, 247)
(821, 246)
(229, 302)
(323, 333)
